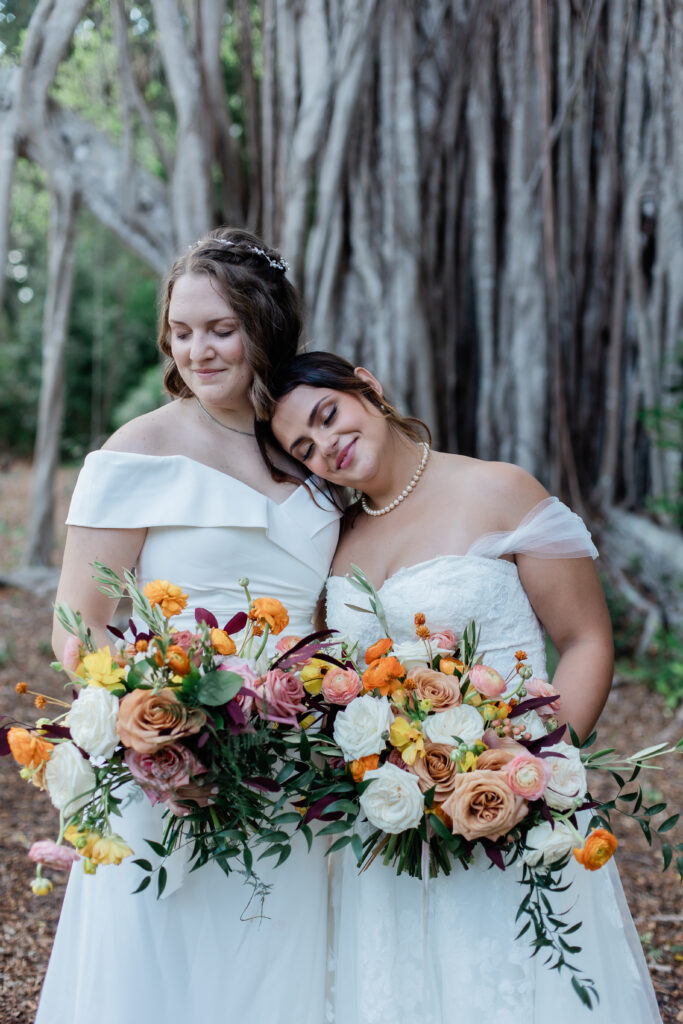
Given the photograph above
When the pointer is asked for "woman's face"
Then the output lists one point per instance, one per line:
(337, 435)
(206, 343)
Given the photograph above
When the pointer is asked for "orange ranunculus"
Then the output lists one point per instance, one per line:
(270, 610)
(449, 666)
(378, 650)
(361, 765)
(222, 642)
(178, 661)
(168, 596)
(597, 849)
(384, 675)
(28, 749)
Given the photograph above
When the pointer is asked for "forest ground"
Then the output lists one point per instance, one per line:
(634, 717)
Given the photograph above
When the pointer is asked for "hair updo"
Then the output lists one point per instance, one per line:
(252, 278)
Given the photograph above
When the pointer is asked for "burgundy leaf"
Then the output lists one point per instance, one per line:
(56, 732)
(261, 782)
(494, 855)
(236, 623)
(304, 648)
(530, 705)
(4, 745)
(234, 711)
(317, 809)
(116, 632)
(133, 628)
(203, 615)
(533, 746)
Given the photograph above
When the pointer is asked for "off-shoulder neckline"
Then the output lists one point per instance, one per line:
(418, 566)
(204, 465)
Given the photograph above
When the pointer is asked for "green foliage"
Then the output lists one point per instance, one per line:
(660, 667)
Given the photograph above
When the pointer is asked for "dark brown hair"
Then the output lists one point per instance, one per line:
(325, 370)
(250, 276)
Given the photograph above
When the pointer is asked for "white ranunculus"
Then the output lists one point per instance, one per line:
(533, 724)
(92, 721)
(413, 654)
(548, 844)
(463, 721)
(362, 727)
(68, 775)
(394, 800)
(568, 784)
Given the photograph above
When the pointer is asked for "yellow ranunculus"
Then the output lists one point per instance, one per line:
(110, 850)
(83, 841)
(99, 669)
(407, 739)
(468, 762)
(312, 675)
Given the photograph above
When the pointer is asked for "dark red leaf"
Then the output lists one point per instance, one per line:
(236, 623)
(203, 615)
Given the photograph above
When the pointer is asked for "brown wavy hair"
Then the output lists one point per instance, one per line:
(265, 302)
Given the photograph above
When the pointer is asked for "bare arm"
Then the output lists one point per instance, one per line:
(119, 549)
(567, 596)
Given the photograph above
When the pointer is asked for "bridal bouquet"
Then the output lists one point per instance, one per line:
(425, 752)
(186, 715)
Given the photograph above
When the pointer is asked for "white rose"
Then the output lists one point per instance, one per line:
(92, 721)
(413, 653)
(533, 724)
(68, 775)
(543, 842)
(568, 784)
(394, 801)
(361, 728)
(463, 721)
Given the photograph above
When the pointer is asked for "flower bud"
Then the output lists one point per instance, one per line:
(41, 886)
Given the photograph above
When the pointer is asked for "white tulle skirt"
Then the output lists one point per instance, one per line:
(446, 953)
(199, 954)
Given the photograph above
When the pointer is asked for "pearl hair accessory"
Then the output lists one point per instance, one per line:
(404, 493)
(281, 264)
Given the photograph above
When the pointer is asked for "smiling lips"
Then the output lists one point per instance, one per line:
(346, 455)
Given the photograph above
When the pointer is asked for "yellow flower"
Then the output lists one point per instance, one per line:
(82, 840)
(110, 850)
(99, 669)
(41, 886)
(168, 596)
(407, 739)
(312, 675)
(468, 762)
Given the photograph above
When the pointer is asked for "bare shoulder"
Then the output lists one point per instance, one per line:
(504, 491)
(147, 434)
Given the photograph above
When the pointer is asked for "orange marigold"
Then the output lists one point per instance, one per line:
(221, 641)
(168, 596)
(383, 675)
(378, 650)
(597, 849)
(359, 767)
(28, 749)
(270, 610)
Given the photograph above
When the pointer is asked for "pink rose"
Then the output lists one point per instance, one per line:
(285, 643)
(184, 638)
(487, 681)
(536, 687)
(168, 776)
(60, 858)
(443, 640)
(279, 697)
(71, 656)
(341, 686)
(245, 669)
(528, 776)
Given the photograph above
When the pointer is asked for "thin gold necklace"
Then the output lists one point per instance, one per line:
(235, 430)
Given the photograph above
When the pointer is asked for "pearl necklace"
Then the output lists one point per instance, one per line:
(404, 493)
(225, 426)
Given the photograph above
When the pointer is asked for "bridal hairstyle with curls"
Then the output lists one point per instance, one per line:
(326, 370)
(252, 278)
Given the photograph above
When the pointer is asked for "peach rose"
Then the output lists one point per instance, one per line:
(436, 687)
(487, 681)
(378, 650)
(528, 776)
(536, 687)
(383, 675)
(149, 720)
(495, 760)
(270, 610)
(597, 849)
(341, 686)
(482, 805)
(168, 596)
(28, 749)
(285, 643)
(436, 769)
(280, 696)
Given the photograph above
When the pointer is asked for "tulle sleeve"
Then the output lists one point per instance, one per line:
(549, 530)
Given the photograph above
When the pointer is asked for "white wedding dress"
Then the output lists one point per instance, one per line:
(445, 952)
(198, 954)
